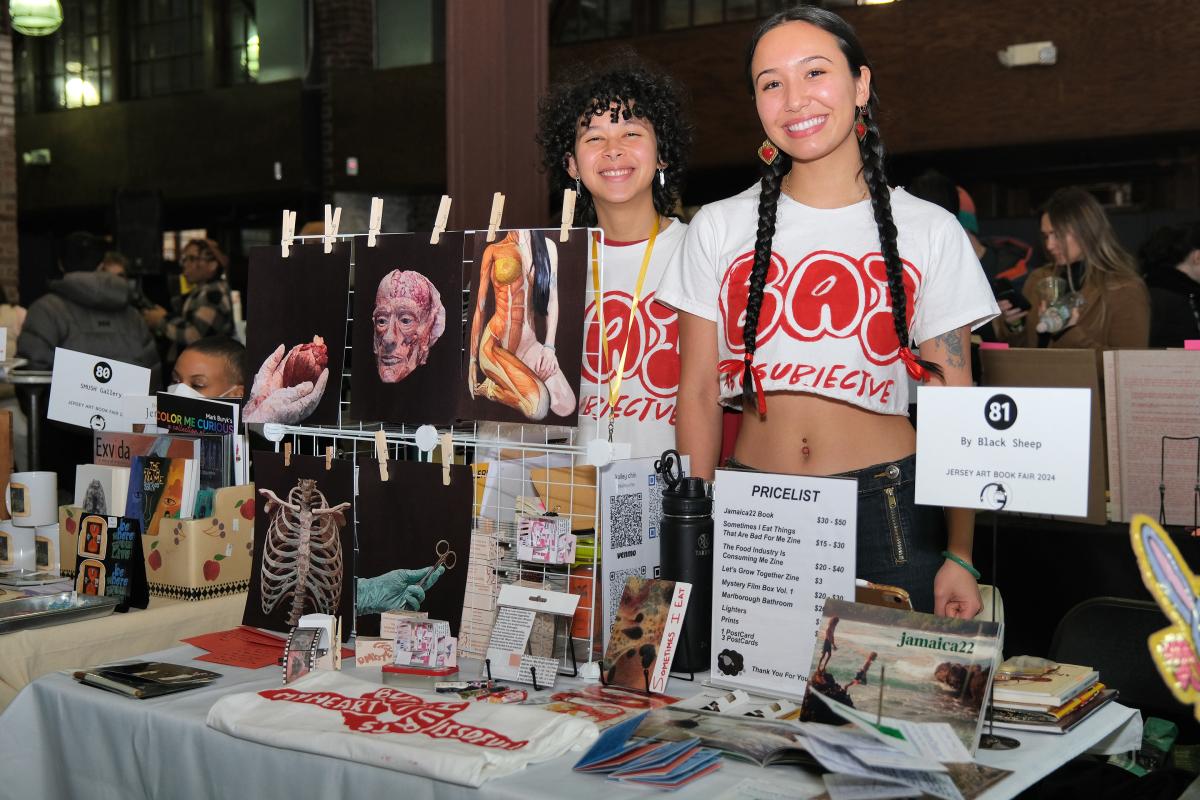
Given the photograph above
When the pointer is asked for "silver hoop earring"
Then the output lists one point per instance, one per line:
(662, 178)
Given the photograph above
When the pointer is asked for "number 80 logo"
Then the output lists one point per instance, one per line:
(102, 371)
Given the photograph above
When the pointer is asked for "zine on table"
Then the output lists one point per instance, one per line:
(408, 329)
(303, 545)
(297, 333)
(524, 327)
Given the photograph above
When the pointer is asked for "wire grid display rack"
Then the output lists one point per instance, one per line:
(518, 468)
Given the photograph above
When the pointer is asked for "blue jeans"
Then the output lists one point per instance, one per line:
(899, 542)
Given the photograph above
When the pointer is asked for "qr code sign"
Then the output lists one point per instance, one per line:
(625, 517)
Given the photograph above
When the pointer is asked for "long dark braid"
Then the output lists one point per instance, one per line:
(871, 147)
(768, 203)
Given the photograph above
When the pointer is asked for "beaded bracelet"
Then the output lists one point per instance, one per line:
(965, 565)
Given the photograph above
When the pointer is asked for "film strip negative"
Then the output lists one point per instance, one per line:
(301, 653)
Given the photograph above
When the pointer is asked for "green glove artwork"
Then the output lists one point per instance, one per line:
(396, 589)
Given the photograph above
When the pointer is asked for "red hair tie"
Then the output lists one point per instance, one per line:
(754, 375)
(913, 366)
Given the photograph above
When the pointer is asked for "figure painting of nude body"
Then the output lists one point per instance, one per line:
(521, 273)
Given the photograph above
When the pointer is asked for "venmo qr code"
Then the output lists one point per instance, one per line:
(625, 517)
(616, 585)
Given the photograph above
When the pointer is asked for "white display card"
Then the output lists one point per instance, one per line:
(630, 518)
(1010, 449)
(90, 391)
(783, 544)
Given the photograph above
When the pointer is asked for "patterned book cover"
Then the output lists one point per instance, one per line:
(155, 490)
(903, 665)
(645, 633)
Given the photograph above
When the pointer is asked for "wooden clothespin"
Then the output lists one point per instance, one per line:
(375, 221)
(568, 215)
(333, 218)
(496, 215)
(288, 237)
(381, 453)
(329, 458)
(447, 442)
(443, 217)
(287, 454)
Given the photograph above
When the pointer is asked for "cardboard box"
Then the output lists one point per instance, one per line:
(1058, 369)
(194, 559)
(1152, 423)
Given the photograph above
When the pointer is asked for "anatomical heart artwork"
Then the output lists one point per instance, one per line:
(407, 329)
(524, 327)
(414, 524)
(303, 542)
(296, 336)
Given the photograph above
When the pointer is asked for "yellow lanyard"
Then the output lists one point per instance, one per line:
(614, 384)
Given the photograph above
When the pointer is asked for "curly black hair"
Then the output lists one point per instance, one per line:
(634, 88)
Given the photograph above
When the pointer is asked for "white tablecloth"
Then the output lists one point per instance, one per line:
(28, 654)
(59, 739)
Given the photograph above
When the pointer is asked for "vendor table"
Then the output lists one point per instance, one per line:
(28, 654)
(63, 739)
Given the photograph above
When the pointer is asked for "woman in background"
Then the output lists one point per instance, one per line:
(1090, 295)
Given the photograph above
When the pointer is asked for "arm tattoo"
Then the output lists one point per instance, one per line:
(952, 343)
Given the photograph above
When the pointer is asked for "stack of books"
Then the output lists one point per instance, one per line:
(1054, 701)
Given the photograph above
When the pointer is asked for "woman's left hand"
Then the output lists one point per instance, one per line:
(955, 592)
(547, 364)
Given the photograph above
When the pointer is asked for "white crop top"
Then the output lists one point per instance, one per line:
(825, 326)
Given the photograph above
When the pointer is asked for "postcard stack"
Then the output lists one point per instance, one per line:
(1036, 695)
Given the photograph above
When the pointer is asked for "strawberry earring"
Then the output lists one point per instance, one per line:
(768, 152)
(860, 123)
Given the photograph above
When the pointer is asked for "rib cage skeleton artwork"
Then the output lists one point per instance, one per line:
(302, 555)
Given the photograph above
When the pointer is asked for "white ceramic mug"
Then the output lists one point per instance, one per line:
(32, 498)
(17, 549)
(45, 544)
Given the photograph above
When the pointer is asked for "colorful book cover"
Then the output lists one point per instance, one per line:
(119, 449)
(645, 633)
(156, 489)
(903, 665)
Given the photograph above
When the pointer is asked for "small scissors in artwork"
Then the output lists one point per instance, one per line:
(445, 558)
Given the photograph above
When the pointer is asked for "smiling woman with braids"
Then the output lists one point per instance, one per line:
(808, 291)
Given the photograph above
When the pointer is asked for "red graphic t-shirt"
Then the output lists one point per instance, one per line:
(645, 404)
(826, 324)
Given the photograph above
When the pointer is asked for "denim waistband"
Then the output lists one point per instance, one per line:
(870, 479)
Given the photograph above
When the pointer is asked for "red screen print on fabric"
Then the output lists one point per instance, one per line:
(825, 295)
(391, 711)
(651, 347)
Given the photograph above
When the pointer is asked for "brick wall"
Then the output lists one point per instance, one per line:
(345, 35)
(8, 164)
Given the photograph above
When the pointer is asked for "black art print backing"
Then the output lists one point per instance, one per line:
(402, 522)
(337, 485)
(408, 329)
(298, 302)
(515, 377)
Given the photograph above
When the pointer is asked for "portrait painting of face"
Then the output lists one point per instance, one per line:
(407, 331)
(408, 319)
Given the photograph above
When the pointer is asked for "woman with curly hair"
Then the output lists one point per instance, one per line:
(809, 291)
(616, 135)
(1091, 294)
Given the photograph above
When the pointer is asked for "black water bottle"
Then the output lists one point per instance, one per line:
(686, 554)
